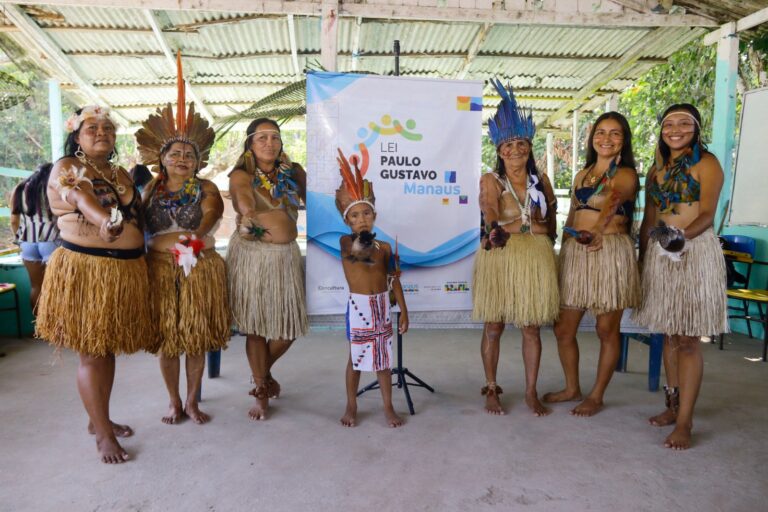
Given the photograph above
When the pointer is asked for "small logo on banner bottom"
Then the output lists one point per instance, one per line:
(411, 288)
(456, 286)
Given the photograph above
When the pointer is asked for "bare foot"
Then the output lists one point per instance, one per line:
(350, 417)
(668, 417)
(493, 405)
(589, 407)
(195, 414)
(680, 438)
(536, 407)
(393, 420)
(562, 396)
(259, 411)
(117, 429)
(175, 414)
(273, 387)
(110, 451)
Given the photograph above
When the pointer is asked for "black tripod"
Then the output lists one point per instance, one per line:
(401, 373)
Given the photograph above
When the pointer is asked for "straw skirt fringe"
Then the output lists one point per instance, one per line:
(192, 312)
(516, 284)
(95, 305)
(685, 297)
(600, 281)
(266, 288)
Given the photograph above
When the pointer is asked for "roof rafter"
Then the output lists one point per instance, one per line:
(154, 21)
(613, 70)
(474, 48)
(494, 14)
(294, 47)
(51, 50)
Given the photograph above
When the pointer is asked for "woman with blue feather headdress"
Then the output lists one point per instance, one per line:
(515, 273)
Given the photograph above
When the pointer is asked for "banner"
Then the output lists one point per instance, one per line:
(418, 141)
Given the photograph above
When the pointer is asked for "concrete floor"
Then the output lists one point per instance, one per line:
(449, 456)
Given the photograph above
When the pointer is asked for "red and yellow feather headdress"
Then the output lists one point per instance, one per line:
(353, 189)
(162, 128)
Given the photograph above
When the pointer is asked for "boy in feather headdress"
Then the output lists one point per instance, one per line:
(371, 270)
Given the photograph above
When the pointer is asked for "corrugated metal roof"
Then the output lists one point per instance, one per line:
(231, 59)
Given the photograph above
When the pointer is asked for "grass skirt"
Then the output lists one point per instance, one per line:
(601, 281)
(516, 284)
(266, 288)
(191, 313)
(685, 297)
(95, 305)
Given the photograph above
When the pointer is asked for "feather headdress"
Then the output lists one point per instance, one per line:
(511, 121)
(162, 128)
(353, 189)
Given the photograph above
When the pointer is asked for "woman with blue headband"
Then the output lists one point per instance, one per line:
(684, 279)
(598, 266)
(515, 274)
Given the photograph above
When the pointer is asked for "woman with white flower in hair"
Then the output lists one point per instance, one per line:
(515, 273)
(95, 293)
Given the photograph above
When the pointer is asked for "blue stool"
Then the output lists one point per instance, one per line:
(655, 344)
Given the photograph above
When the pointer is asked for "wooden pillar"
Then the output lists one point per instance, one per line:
(56, 119)
(551, 158)
(724, 117)
(328, 36)
(575, 143)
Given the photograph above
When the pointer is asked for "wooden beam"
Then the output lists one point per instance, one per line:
(47, 47)
(636, 5)
(329, 34)
(612, 71)
(294, 48)
(474, 49)
(356, 42)
(154, 22)
(746, 23)
(528, 16)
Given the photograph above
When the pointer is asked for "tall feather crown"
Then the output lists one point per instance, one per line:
(511, 121)
(162, 128)
(353, 189)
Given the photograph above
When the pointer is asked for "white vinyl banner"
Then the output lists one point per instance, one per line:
(418, 143)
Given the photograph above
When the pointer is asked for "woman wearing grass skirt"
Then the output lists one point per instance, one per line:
(515, 273)
(684, 279)
(187, 277)
(598, 266)
(266, 279)
(95, 296)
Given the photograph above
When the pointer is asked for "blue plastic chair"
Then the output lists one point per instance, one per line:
(741, 243)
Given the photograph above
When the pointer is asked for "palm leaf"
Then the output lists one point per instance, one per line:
(12, 91)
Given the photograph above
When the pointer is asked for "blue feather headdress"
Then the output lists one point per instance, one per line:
(510, 121)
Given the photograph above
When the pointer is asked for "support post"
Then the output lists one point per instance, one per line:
(56, 119)
(328, 36)
(724, 117)
(551, 158)
(575, 143)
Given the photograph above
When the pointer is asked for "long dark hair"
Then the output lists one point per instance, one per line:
(684, 107)
(627, 155)
(33, 190)
(249, 132)
(71, 146)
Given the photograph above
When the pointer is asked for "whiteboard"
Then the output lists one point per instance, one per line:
(749, 200)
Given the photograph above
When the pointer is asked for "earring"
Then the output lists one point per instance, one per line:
(79, 153)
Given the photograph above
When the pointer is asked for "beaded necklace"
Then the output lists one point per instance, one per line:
(186, 195)
(525, 206)
(610, 173)
(284, 189)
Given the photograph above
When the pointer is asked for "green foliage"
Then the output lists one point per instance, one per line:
(688, 77)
